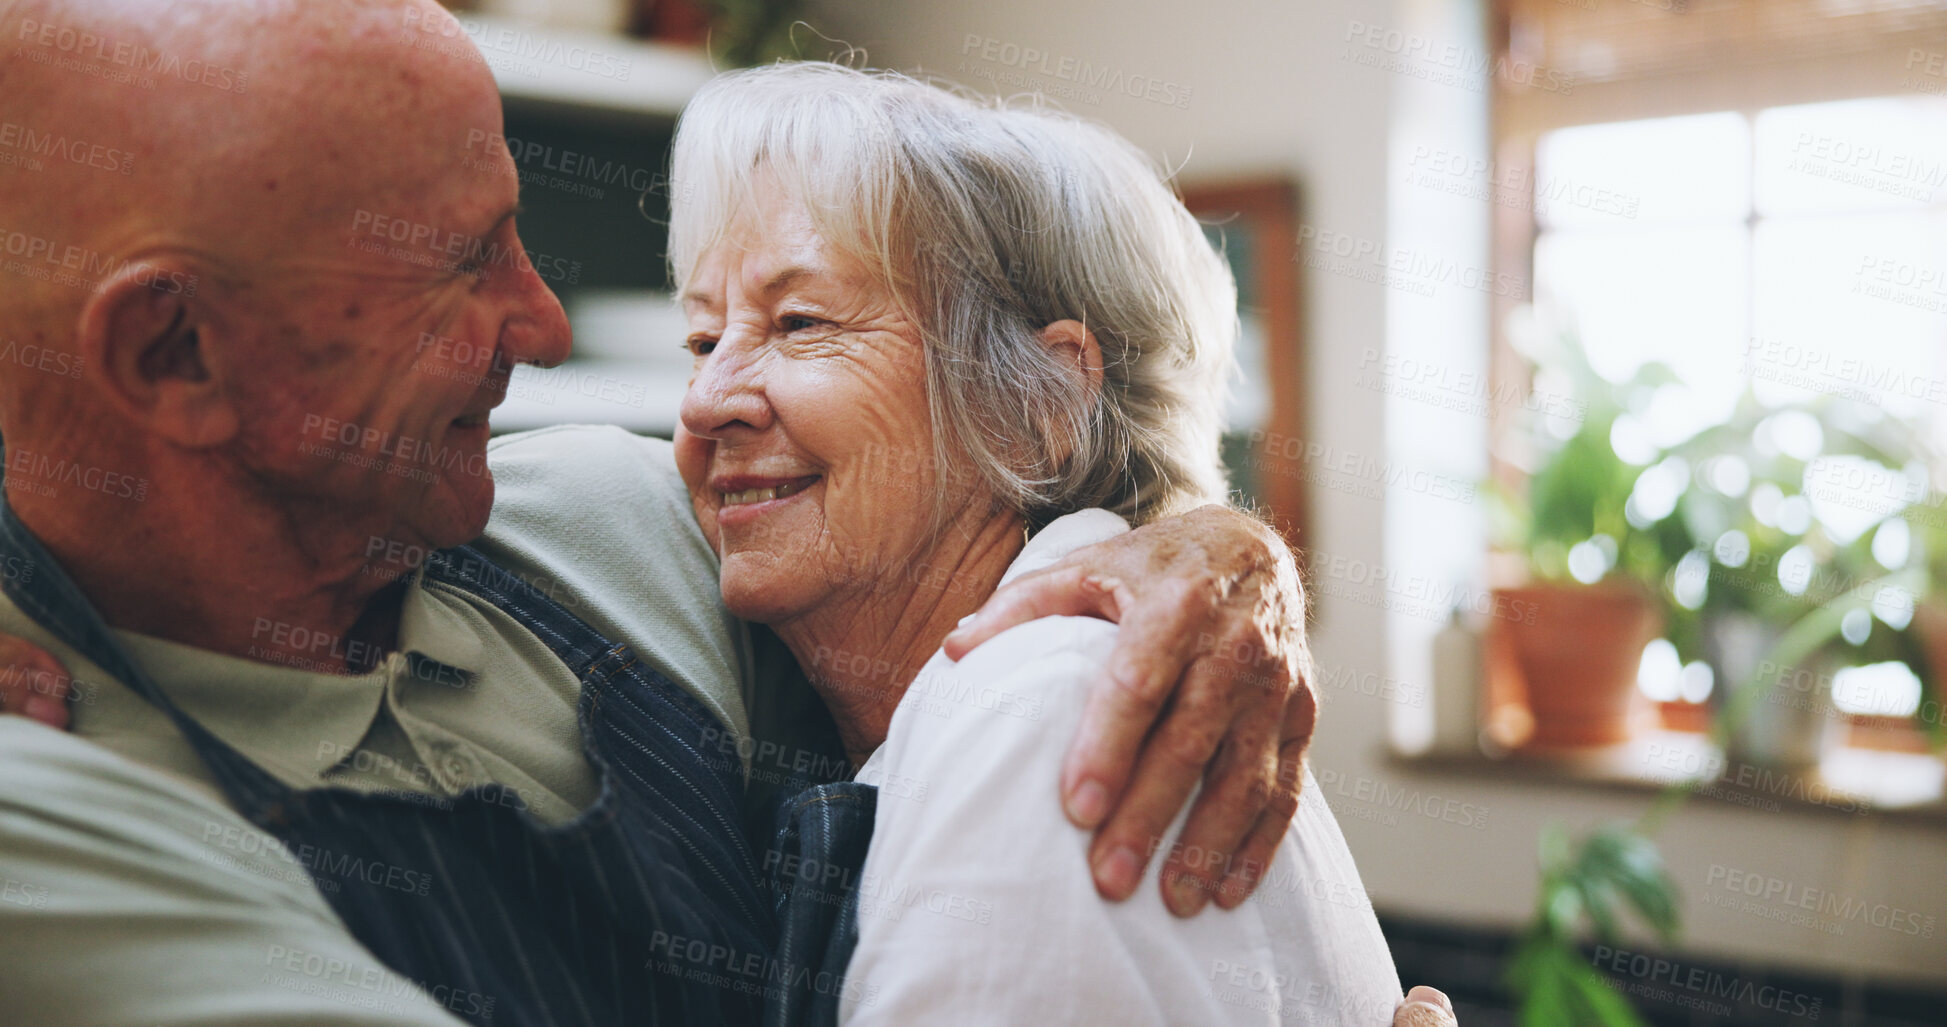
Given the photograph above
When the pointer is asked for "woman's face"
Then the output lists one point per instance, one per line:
(805, 438)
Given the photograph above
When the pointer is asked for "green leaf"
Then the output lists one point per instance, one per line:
(1617, 860)
(1558, 988)
(1554, 846)
(1595, 1002)
(1562, 906)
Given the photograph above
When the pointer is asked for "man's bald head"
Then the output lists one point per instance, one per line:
(306, 220)
(245, 129)
(248, 123)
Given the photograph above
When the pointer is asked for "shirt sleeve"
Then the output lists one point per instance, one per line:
(129, 899)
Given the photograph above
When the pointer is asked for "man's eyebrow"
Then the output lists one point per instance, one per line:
(507, 215)
(476, 247)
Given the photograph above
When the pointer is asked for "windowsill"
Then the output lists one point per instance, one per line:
(1849, 780)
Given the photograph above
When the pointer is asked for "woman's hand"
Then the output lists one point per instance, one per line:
(33, 684)
(1211, 657)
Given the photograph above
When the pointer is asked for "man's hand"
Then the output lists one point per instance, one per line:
(1208, 682)
(33, 684)
(1425, 1007)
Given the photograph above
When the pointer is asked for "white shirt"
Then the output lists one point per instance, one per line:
(976, 901)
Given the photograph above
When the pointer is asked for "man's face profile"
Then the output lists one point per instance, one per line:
(400, 313)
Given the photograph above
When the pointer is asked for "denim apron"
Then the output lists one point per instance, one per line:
(647, 908)
(812, 866)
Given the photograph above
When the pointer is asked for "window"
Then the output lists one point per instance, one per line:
(1794, 257)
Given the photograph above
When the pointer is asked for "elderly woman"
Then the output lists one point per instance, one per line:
(939, 344)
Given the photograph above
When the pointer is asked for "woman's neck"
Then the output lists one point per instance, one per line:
(862, 650)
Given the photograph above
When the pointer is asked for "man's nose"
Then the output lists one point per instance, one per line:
(536, 331)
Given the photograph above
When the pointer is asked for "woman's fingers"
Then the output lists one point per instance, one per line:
(33, 684)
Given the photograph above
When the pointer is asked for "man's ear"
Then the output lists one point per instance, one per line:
(1074, 344)
(152, 348)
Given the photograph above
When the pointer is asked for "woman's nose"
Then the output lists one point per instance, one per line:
(726, 395)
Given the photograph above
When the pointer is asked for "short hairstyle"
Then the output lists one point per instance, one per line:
(988, 222)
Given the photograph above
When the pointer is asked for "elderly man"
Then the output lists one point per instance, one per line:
(325, 766)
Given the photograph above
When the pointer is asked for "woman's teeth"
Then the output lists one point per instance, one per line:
(761, 495)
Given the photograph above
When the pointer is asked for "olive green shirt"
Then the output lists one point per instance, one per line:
(130, 892)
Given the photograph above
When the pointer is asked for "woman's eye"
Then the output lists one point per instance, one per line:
(797, 322)
(699, 346)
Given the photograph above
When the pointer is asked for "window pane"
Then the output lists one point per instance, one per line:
(1874, 154)
(1667, 170)
(1854, 307)
(1675, 295)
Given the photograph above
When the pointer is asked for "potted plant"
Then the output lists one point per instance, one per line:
(1596, 559)
(1769, 599)
(1798, 512)
(1927, 520)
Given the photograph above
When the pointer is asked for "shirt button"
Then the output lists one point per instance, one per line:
(455, 770)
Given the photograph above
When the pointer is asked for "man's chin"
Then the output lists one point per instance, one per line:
(459, 511)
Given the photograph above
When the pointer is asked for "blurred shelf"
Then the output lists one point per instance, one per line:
(629, 368)
(641, 398)
(1848, 780)
(580, 73)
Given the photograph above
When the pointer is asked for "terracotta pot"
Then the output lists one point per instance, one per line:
(685, 22)
(1930, 619)
(1576, 650)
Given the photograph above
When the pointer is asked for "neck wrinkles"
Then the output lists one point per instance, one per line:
(861, 651)
(203, 560)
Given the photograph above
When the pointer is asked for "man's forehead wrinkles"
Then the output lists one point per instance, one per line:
(324, 114)
(375, 272)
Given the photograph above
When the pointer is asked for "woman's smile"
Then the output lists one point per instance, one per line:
(745, 498)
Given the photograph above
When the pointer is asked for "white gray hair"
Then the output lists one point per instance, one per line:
(989, 222)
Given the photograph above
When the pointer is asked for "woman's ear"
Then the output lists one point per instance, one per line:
(1074, 344)
(149, 342)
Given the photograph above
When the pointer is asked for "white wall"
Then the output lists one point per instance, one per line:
(1291, 88)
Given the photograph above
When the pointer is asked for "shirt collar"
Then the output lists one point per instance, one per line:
(431, 627)
(1062, 536)
(299, 721)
